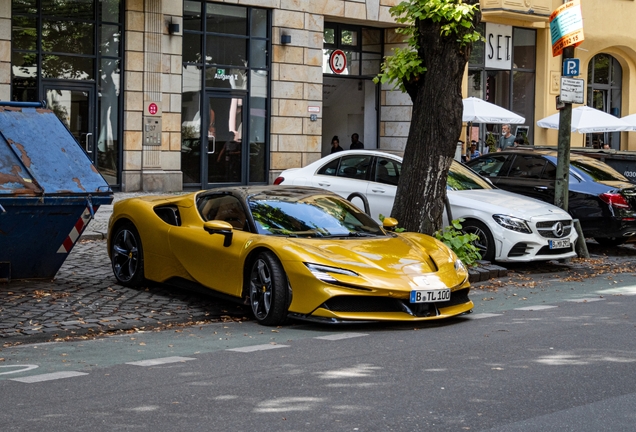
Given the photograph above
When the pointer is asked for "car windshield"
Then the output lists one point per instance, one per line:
(599, 171)
(463, 178)
(314, 216)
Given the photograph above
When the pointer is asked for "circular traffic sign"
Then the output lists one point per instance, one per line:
(338, 61)
(153, 108)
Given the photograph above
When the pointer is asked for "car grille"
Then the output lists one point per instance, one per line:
(383, 304)
(546, 228)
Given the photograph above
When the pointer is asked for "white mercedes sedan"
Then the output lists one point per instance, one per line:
(510, 227)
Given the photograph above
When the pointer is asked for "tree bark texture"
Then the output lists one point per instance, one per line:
(436, 125)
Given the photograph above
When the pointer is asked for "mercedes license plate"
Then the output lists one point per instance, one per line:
(559, 244)
(430, 296)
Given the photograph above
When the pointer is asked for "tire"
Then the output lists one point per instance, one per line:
(610, 241)
(268, 290)
(127, 256)
(485, 243)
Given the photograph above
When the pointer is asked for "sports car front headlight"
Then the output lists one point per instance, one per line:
(512, 223)
(459, 266)
(322, 272)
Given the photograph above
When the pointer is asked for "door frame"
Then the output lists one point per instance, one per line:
(92, 120)
(215, 147)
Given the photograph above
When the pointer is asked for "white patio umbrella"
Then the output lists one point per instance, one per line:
(479, 111)
(631, 120)
(587, 120)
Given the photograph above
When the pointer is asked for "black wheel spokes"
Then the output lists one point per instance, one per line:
(261, 289)
(482, 241)
(125, 255)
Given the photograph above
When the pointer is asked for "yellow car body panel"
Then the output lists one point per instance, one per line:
(387, 267)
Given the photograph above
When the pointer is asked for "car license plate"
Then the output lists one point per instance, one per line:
(559, 244)
(430, 296)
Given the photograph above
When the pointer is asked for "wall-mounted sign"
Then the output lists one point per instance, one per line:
(313, 108)
(152, 109)
(572, 90)
(338, 61)
(566, 26)
(498, 46)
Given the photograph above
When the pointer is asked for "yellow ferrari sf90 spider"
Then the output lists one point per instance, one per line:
(287, 251)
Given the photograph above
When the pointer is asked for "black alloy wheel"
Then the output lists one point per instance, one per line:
(127, 256)
(485, 242)
(268, 290)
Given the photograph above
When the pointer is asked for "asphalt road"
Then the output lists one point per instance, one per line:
(559, 361)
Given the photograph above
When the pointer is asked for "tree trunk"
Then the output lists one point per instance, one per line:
(435, 129)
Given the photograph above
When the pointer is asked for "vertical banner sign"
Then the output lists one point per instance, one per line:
(566, 27)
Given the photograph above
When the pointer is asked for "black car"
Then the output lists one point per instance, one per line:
(599, 196)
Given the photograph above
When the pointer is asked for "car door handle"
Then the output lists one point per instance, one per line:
(541, 188)
(324, 184)
(378, 190)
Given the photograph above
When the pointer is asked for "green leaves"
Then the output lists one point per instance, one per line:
(455, 19)
(461, 243)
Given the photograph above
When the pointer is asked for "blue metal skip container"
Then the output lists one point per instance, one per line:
(49, 191)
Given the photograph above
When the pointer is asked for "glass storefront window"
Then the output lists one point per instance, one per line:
(110, 10)
(601, 69)
(523, 48)
(479, 49)
(372, 40)
(349, 38)
(370, 63)
(192, 47)
(78, 9)
(24, 32)
(68, 67)
(227, 51)
(258, 53)
(523, 94)
(191, 124)
(70, 37)
(259, 23)
(221, 18)
(192, 15)
(474, 84)
(24, 76)
(110, 40)
(24, 6)
(329, 36)
(108, 121)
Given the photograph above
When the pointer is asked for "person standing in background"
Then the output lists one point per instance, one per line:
(335, 144)
(506, 139)
(355, 143)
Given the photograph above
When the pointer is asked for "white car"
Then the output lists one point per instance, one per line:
(510, 227)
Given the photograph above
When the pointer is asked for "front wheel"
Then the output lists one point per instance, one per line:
(268, 290)
(485, 242)
(127, 257)
(610, 241)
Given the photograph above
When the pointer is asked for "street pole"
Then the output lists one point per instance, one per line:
(561, 186)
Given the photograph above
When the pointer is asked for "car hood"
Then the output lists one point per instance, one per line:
(385, 260)
(497, 201)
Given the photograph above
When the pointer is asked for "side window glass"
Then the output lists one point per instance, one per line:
(549, 173)
(387, 171)
(527, 167)
(223, 207)
(355, 167)
(490, 166)
(330, 169)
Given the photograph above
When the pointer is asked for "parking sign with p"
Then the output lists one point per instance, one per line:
(571, 67)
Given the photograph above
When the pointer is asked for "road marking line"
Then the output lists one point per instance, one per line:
(257, 348)
(535, 308)
(481, 315)
(340, 336)
(160, 361)
(586, 300)
(48, 377)
(23, 368)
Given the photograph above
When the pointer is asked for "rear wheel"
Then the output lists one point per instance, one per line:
(127, 257)
(268, 290)
(610, 241)
(485, 242)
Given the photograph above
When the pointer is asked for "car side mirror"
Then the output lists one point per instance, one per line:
(220, 227)
(389, 223)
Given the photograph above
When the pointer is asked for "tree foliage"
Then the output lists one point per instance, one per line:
(439, 35)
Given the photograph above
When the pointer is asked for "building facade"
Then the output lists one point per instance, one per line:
(167, 95)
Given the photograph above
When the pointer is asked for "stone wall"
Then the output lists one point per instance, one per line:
(5, 50)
